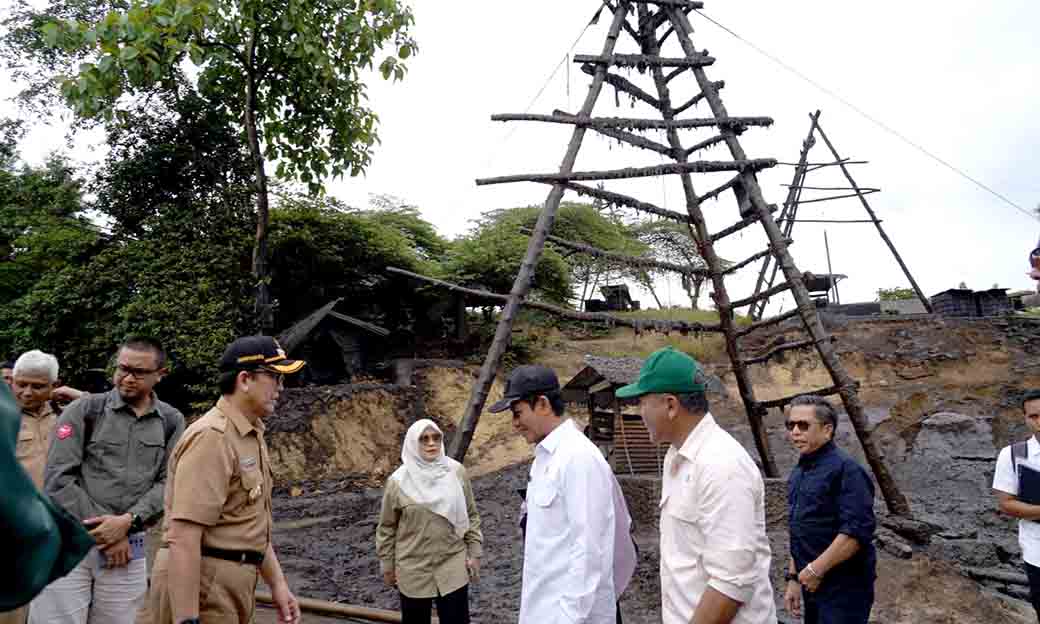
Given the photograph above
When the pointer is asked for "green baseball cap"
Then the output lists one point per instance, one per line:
(666, 371)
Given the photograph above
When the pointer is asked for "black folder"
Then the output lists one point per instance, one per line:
(1028, 484)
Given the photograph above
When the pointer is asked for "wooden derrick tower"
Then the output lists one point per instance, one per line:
(653, 24)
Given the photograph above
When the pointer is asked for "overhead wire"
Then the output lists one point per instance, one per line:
(872, 119)
(564, 61)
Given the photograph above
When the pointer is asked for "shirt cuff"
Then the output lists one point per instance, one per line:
(740, 593)
(386, 564)
(474, 550)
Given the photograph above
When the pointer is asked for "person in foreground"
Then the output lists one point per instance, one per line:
(832, 568)
(40, 542)
(106, 465)
(714, 551)
(217, 524)
(578, 555)
(428, 537)
(1006, 489)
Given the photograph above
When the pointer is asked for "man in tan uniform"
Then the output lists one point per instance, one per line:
(217, 523)
(34, 378)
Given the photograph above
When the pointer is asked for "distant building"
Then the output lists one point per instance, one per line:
(966, 303)
(616, 298)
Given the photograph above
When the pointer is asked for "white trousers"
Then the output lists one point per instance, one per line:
(92, 594)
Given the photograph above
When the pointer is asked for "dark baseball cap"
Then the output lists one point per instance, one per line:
(526, 381)
(258, 352)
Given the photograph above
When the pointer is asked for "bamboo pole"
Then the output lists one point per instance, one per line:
(866, 206)
(678, 168)
(738, 226)
(695, 99)
(707, 251)
(629, 202)
(623, 84)
(603, 317)
(633, 261)
(636, 123)
(642, 60)
(846, 386)
(337, 609)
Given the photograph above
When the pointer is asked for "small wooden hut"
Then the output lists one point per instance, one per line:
(614, 424)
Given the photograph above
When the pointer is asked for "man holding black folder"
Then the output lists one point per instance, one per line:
(1016, 483)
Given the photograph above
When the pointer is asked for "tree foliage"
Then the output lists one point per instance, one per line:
(895, 294)
(490, 254)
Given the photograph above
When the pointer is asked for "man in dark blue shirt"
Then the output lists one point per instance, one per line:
(830, 501)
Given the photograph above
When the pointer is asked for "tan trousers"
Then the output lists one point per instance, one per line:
(17, 616)
(227, 591)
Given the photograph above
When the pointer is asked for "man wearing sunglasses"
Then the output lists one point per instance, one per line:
(830, 497)
(217, 525)
(106, 466)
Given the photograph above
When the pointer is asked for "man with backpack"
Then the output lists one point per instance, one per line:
(1011, 462)
(107, 467)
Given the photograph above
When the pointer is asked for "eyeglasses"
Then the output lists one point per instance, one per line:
(126, 371)
(803, 425)
(278, 378)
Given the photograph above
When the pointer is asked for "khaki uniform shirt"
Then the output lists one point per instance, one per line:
(33, 440)
(220, 477)
(429, 557)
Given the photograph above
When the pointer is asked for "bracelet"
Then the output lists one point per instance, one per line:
(812, 570)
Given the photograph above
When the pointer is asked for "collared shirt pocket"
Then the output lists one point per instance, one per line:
(252, 486)
(26, 442)
(150, 447)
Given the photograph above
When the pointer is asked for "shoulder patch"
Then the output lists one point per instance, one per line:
(64, 431)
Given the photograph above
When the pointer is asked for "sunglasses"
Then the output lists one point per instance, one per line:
(803, 425)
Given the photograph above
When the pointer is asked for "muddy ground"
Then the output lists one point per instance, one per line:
(942, 401)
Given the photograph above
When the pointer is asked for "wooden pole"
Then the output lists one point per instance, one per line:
(707, 251)
(866, 206)
(790, 208)
(830, 271)
(522, 285)
(337, 609)
(894, 498)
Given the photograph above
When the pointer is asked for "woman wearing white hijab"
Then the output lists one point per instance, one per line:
(428, 537)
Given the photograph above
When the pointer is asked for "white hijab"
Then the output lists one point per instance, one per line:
(432, 484)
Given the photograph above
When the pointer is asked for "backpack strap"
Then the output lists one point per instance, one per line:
(1019, 450)
(95, 404)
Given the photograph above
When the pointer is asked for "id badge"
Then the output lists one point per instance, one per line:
(137, 549)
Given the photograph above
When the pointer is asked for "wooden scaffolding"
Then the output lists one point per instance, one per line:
(789, 213)
(652, 24)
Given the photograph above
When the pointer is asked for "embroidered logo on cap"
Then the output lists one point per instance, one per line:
(64, 431)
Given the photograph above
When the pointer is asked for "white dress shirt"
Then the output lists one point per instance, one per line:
(713, 529)
(1005, 479)
(571, 527)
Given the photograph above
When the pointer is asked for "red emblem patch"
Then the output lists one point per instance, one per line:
(64, 431)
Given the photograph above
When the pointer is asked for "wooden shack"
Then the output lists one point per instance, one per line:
(614, 424)
(336, 346)
(963, 302)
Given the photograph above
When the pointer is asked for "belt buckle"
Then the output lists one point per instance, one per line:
(242, 558)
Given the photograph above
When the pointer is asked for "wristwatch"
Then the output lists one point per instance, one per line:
(789, 576)
(136, 524)
(194, 620)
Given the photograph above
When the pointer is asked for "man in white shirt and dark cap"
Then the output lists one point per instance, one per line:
(578, 553)
(714, 550)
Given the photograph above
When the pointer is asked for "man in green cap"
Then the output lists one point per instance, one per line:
(714, 550)
(40, 541)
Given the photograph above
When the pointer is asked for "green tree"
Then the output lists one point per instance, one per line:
(490, 254)
(895, 294)
(42, 227)
(290, 70)
(669, 241)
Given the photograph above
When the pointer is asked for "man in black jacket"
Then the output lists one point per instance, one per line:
(830, 498)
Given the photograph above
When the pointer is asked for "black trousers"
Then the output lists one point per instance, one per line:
(1033, 573)
(452, 608)
(849, 606)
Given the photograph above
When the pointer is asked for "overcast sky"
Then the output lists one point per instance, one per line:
(957, 77)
